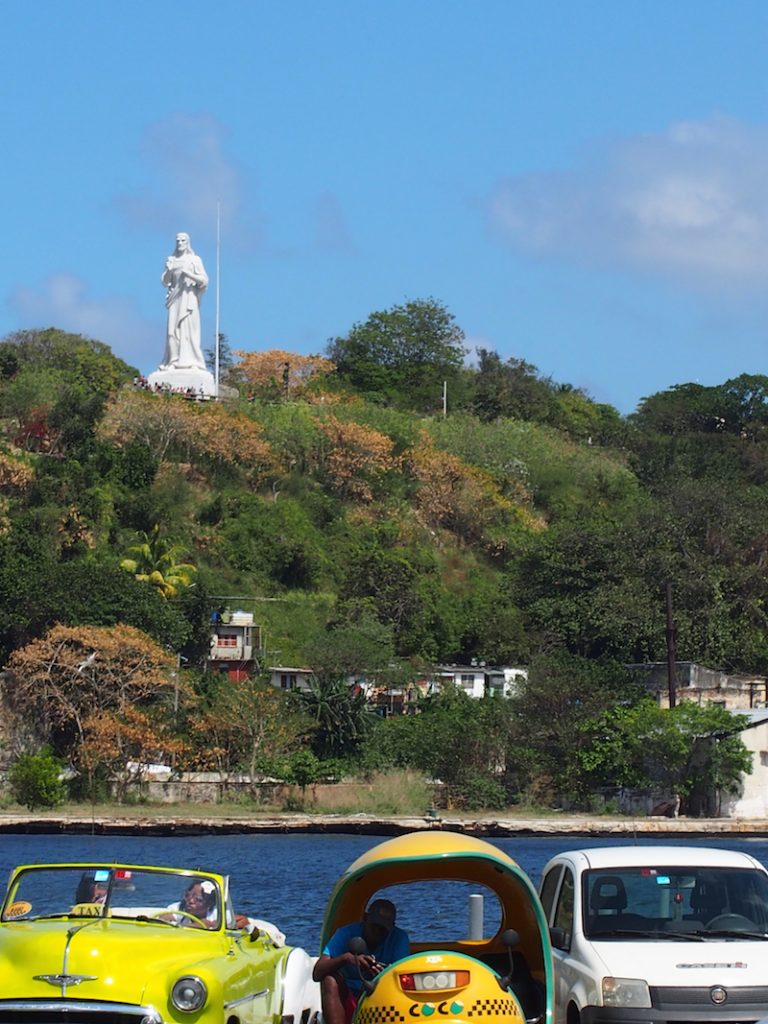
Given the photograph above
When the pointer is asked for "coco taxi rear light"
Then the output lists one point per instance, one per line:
(433, 981)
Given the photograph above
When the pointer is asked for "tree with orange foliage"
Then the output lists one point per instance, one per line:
(356, 457)
(277, 374)
(169, 425)
(465, 499)
(72, 687)
(119, 744)
(16, 475)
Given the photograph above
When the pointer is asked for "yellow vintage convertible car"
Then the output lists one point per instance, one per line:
(126, 944)
(479, 947)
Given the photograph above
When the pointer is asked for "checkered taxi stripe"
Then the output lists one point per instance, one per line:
(498, 1007)
(379, 1015)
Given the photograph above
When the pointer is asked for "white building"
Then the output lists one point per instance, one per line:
(475, 680)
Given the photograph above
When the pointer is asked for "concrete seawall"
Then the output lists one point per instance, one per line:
(360, 824)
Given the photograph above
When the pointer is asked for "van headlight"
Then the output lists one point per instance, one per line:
(626, 992)
(189, 994)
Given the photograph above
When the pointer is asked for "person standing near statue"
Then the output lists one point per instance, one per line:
(185, 278)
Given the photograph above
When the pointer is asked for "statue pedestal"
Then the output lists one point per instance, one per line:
(193, 383)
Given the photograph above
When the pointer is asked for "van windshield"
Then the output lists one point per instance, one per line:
(656, 900)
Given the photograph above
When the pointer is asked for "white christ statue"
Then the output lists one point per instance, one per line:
(185, 278)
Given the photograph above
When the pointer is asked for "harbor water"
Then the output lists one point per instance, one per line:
(288, 878)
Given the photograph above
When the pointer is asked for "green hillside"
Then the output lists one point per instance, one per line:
(377, 529)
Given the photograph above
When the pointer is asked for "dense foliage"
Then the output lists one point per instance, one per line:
(375, 534)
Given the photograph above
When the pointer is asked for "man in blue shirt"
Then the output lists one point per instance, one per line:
(338, 970)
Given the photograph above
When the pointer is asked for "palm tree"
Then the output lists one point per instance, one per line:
(155, 563)
(340, 713)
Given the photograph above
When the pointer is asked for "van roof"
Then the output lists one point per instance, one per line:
(602, 857)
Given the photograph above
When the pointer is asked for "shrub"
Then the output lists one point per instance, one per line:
(35, 781)
(479, 792)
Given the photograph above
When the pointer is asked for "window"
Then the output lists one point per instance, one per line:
(656, 896)
(448, 903)
(549, 889)
(564, 912)
(287, 681)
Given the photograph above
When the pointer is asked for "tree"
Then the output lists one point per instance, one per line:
(454, 738)
(156, 563)
(402, 356)
(276, 374)
(35, 781)
(276, 543)
(511, 389)
(401, 585)
(171, 427)
(38, 592)
(357, 646)
(692, 750)
(357, 458)
(119, 743)
(340, 714)
(226, 357)
(303, 770)
(56, 685)
(242, 725)
(55, 388)
(465, 499)
(556, 711)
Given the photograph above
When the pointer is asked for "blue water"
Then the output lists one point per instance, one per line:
(287, 878)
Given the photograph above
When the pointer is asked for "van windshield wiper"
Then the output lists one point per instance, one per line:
(636, 933)
(734, 933)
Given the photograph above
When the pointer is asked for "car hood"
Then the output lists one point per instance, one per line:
(669, 962)
(101, 959)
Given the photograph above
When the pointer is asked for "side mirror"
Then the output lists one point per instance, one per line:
(359, 947)
(559, 938)
(510, 938)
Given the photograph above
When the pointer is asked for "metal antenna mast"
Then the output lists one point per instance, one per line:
(218, 294)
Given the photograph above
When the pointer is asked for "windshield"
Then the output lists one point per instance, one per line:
(457, 910)
(186, 899)
(623, 902)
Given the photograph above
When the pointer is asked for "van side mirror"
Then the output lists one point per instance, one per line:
(560, 938)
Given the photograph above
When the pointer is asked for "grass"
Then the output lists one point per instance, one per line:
(392, 794)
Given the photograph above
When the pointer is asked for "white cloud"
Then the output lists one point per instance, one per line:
(691, 204)
(193, 176)
(63, 301)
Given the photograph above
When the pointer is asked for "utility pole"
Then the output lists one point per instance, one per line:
(217, 345)
(671, 657)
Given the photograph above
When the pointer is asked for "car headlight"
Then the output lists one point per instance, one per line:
(626, 992)
(189, 994)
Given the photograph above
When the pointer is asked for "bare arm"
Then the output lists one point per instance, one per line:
(331, 964)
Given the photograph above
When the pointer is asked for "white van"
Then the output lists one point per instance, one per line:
(657, 933)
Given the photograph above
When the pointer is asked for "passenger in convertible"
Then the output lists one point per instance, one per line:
(338, 970)
(199, 900)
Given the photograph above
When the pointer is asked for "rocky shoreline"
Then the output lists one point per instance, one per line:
(361, 824)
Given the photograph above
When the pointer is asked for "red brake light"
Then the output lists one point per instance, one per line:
(407, 983)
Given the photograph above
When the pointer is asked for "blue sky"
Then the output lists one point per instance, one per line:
(583, 184)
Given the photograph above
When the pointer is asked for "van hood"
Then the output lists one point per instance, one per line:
(672, 962)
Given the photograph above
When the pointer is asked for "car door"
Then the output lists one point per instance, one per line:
(563, 921)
